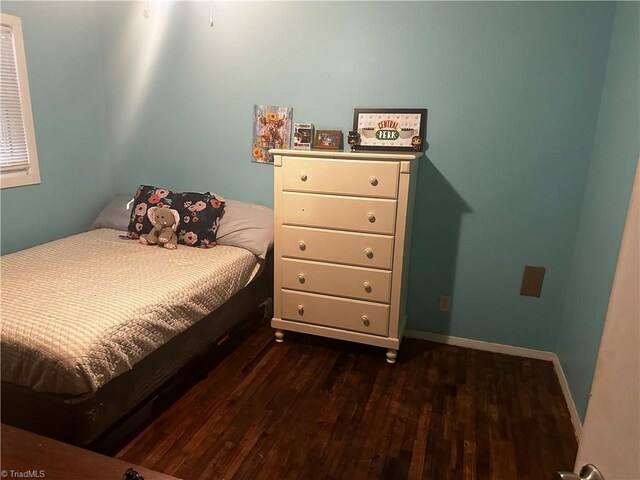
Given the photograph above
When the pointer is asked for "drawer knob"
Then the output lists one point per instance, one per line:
(302, 245)
(303, 177)
(368, 252)
(371, 217)
(301, 278)
(366, 321)
(300, 310)
(367, 287)
(373, 181)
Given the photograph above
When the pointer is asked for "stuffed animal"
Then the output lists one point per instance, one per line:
(165, 223)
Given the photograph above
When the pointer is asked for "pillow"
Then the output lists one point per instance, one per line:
(115, 215)
(248, 226)
(199, 214)
(199, 218)
(146, 196)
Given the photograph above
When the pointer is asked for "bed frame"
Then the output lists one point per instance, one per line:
(103, 419)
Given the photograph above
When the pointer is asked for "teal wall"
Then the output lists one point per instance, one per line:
(512, 90)
(65, 79)
(606, 199)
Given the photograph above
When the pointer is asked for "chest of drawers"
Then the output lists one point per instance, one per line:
(342, 241)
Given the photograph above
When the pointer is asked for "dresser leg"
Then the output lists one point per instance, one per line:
(391, 355)
(279, 336)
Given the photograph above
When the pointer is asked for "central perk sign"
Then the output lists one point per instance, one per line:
(390, 128)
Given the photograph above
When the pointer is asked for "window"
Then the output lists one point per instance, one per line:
(18, 156)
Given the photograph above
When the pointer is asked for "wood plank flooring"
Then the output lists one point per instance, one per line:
(313, 408)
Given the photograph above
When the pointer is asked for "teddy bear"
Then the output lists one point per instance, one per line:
(165, 223)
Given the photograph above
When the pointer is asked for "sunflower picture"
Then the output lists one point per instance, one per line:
(271, 129)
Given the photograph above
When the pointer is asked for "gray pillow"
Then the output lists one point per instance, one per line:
(248, 226)
(115, 215)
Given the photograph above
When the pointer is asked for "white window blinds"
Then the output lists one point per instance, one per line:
(14, 152)
(18, 157)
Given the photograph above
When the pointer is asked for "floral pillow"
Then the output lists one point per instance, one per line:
(199, 214)
(146, 196)
(199, 218)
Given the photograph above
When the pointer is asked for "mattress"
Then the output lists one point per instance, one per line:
(80, 311)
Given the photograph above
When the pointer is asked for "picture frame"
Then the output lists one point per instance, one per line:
(390, 129)
(328, 140)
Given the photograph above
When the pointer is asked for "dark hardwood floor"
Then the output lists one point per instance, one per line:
(314, 408)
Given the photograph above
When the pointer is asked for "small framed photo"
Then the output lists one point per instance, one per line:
(328, 140)
(392, 129)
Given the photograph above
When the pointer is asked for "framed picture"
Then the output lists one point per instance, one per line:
(271, 129)
(393, 129)
(328, 140)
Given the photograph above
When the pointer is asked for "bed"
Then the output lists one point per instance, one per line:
(94, 326)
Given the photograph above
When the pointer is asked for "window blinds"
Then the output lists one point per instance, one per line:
(14, 153)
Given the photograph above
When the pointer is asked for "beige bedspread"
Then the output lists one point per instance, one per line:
(79, 311)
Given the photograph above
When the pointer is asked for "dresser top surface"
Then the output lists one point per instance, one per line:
(348, 155)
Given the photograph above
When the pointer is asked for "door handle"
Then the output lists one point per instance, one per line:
(588, 472)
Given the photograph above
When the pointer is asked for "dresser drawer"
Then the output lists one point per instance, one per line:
(348, 213)
(335, 312)
(347, 177)
(363, 249)
(341, 280)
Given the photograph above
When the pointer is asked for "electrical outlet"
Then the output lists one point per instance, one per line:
(445, 303)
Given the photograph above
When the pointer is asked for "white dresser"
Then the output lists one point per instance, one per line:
(342, 241)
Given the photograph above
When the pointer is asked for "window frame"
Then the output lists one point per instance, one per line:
(31, 175)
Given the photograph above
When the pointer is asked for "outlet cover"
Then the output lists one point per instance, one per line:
(445, 303)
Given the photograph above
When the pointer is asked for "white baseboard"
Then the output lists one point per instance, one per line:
(573, 411)
(480, 345)
(509, 350)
